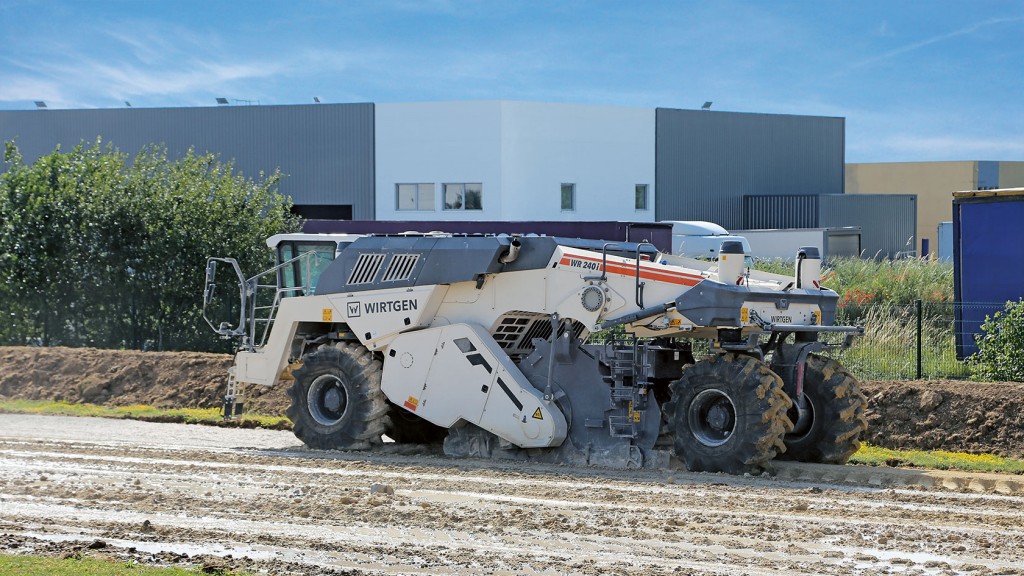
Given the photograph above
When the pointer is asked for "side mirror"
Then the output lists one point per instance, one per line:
(208, 294)
(211, 271)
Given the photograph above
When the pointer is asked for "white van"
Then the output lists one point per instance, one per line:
(699, 239)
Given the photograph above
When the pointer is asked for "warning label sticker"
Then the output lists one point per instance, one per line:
(537, 415)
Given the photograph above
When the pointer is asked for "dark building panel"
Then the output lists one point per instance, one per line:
(325, 150)
(763, 212)
(888, 221)
(708, 161)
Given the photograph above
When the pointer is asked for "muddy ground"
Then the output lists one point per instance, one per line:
(176, 494)
(254, 499)
(953, 415)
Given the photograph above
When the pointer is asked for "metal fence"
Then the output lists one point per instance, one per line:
(911, 341)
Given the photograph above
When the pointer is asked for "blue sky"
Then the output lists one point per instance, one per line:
(924, 80)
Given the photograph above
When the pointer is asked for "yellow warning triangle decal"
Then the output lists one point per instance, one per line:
(537, 414)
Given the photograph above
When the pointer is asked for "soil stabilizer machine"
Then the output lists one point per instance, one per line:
(548, 349)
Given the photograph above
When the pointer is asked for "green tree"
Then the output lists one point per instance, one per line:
(101, 250)
(1000, 353)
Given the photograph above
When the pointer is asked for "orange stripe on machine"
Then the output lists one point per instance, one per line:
(646, 272)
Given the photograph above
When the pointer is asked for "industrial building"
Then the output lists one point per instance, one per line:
(504, 160)
(933, 183)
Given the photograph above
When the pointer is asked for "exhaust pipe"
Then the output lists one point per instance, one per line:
(730, 262)
(512, 253)
(808, 268)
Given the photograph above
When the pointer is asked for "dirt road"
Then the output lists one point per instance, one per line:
(172, 493)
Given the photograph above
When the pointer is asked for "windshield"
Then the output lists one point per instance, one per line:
(294, 274)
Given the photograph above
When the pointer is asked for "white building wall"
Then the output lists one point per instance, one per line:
(605, 151)
(437, 143)
(522, 153)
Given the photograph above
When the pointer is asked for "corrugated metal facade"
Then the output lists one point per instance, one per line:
(708, 161)
(763, 212)
(888, 221)
(326, 150)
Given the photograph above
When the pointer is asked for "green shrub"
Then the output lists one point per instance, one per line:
(1000, 353)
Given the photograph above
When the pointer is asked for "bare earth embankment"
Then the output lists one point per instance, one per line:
(952, 415)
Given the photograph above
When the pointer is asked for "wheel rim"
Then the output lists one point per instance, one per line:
(712, 417)
(327, 399)
(802, 418)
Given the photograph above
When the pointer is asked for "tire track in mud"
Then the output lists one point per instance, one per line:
(72, 481)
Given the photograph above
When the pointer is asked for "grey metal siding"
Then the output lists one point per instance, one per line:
(325, 150)
(888, 221)
(988, 175)
(760, 212)
(708, 161)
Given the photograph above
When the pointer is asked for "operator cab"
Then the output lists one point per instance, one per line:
(289, 249)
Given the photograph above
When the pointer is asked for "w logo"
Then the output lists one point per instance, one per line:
(353, 309)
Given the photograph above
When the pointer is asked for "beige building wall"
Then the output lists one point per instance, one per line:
(1011, 174)
(932, 182)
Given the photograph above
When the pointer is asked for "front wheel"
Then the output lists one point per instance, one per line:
(728, 414)
(337, 403)
(828, 427)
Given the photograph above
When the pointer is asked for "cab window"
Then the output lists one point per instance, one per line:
(294, 274)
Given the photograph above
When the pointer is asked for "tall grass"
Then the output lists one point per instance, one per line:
(860, 282)
(881, 295)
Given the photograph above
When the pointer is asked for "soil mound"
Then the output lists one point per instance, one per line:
(949, 415)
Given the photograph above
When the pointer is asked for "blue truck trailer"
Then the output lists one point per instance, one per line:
(988, 258)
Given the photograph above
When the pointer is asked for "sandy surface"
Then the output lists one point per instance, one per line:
(174, 493)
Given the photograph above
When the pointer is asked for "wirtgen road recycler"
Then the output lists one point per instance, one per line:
(548, 349)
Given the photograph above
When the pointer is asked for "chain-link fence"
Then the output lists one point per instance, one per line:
(918, 340)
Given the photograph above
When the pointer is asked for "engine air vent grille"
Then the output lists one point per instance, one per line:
(366, 268)
(515, 331)
(400, 267)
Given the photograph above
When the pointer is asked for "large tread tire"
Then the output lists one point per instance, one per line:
(837, 415)
(404, 427)
(728, 414)
(337, 403)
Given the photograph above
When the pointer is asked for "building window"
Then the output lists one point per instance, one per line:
(415, 196)
(568, 197)
(641, 196)
(463, 196)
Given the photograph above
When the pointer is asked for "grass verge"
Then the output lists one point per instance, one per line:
(42, 566)
(209, 416)
(936, 459)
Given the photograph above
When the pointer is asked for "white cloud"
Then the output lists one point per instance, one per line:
(19, 88)
(933, 40)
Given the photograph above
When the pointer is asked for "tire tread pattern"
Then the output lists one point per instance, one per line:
(366, 417)
(757, 393)
(837, 437)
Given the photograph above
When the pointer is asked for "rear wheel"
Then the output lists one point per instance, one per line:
(728, 414)
(337, 403)
(829, 427)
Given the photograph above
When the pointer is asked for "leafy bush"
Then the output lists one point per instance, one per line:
(99, 249)
(1000, 353)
